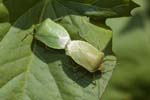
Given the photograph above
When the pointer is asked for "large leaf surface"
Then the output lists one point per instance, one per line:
(31, 71)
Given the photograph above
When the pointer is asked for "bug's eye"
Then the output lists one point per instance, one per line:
(85, 54)
(52, 34)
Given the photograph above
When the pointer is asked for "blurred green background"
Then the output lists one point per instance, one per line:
(131, 44)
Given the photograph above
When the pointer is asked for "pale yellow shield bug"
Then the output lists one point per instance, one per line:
(85, 55)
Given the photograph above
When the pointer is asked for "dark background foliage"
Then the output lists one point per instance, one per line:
(130, 80)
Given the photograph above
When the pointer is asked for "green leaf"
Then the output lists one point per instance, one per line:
(131, 46)
(89, 10)
(80, 28)
(59, 8)
(40, 73)
(4, 27)
(17, 8)
(121, 7)
(101, 8)
(3, 12)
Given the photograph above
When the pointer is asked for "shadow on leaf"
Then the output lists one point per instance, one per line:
(57, 61)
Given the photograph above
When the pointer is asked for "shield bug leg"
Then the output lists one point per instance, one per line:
(46, 47)
(103, 72)
(108, 59)
(25, 37)
(30, 33)
(104, 63)
(58, 19)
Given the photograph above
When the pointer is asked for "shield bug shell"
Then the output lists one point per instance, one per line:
(85, 55)
(52, 34)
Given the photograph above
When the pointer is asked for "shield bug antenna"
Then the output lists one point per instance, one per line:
(31, 32)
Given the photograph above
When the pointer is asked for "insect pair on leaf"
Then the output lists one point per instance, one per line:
(55, 36)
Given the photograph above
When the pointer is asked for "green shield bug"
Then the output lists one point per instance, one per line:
(52, 34)
(85, 55)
